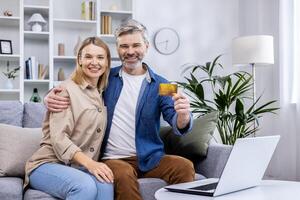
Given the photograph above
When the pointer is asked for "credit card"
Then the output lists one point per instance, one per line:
(167, 89)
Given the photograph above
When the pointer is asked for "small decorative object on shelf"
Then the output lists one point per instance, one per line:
(61, 49)
(10, 75)
(77, 45)
(36, 22)
(8, 13)
(35, 96)
(8, 84)
(61, 74)
(6, 47)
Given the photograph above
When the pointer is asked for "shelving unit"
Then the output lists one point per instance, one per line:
(10, 27)
(36, 46)
(64, 25)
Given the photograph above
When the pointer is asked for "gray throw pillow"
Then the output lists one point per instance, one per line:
(16, 147)
(194, 144)
(11, 112)
(34, 114)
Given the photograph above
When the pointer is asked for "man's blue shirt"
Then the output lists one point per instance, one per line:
(150, 106)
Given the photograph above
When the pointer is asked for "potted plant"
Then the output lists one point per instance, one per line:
(10, 74)
(230, 96)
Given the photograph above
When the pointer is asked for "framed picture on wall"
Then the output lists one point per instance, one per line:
(6, 47)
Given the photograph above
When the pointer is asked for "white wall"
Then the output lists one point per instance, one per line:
(206, 28)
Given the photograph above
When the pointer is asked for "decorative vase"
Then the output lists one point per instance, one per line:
(61, 74)
(61, 49)
(8, 84)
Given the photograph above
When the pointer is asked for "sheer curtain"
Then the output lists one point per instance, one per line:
(286, 162)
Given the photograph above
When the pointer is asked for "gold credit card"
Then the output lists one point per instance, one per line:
(167, 89)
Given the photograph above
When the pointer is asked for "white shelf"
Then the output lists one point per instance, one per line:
(10, 57)
(116, 12)
(9, 90)
(72, 58)
(74, 23)
(36, 35)
(36, 7)
(32, 81)
(9, 21)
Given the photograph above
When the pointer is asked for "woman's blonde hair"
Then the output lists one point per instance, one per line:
(78, 75)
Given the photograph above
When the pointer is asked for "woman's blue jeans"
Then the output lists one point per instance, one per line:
(69, 183)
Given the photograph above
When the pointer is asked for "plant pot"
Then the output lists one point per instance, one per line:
(8, 84)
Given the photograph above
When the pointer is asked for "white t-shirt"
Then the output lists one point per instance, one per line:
(121, 140)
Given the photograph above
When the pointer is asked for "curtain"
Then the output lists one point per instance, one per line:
(286, 160)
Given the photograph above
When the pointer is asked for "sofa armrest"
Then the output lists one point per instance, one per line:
(213, 164)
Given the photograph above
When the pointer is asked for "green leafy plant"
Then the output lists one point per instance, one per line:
(11, 73)
(230, 95)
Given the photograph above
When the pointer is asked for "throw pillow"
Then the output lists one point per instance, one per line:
(16, 147)
(11, 112)
(34, 114)
(194, 144)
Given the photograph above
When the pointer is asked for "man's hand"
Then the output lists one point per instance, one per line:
(182, 107)
(55, 103)
(101, 171)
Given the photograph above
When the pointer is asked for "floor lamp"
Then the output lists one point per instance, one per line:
(254, 50)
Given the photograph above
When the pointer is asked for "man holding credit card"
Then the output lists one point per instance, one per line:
(135, 99)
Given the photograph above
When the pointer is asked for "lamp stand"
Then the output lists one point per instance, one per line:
(253, 93)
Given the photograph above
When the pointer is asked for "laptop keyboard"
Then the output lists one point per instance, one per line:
(210, 186)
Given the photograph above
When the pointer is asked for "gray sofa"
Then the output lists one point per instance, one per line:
(31, 115)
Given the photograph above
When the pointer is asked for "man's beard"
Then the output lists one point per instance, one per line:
(132, 65)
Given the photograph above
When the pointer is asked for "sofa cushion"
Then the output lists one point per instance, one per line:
(11, 112)
(194, 144)
(31, 194)
(148, 187)
(16, 147)
(11, 188)
(33, 115)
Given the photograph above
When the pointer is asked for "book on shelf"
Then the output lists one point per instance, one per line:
(106, 24)
(88, 10)
(30, 68)
(34, 70)
(43, 72)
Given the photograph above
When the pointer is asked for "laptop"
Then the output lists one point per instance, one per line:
(244, 169)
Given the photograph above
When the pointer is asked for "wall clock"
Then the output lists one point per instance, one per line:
(166, 41)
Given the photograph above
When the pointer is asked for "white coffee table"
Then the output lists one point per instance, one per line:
(268, 190)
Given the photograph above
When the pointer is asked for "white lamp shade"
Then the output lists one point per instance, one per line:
(36, 18)
(257, 49)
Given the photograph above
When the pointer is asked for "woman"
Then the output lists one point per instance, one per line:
(65, 165)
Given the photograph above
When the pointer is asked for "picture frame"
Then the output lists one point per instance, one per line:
(6, 47)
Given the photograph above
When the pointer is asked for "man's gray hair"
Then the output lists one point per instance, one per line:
(131, 26)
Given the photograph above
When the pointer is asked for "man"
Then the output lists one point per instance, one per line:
(132, 147)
